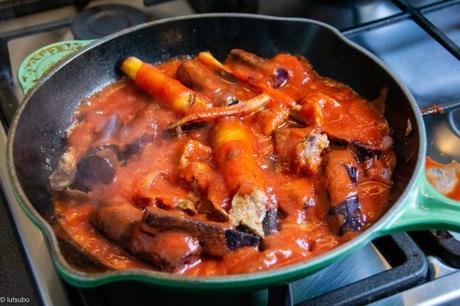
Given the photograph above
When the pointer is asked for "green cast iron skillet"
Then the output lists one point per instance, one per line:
(36, 136)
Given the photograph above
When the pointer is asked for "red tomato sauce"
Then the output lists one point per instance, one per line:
(302, 199)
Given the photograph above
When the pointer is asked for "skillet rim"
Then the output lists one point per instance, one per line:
(236, 281)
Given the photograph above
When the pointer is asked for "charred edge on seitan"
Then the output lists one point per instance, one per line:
(348, 214)
(309, 151)
(215, 239)
(270, 222)
(182, 129)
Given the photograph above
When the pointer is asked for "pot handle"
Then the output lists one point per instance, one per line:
(39, 62)
(426, 209)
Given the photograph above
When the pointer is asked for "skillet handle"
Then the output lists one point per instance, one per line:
(39, 62)
(426, 209)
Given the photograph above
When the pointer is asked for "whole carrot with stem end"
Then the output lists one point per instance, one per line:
(207, 59)
(241, 109)
(234, 152)
(173, 93)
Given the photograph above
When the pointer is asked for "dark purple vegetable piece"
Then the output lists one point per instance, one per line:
(352, 173)
(280, 77)
(270, 222)
(96, 167)
(363, 154)
(72, 178)
(214, 237)
(136, 146)
(348, 214)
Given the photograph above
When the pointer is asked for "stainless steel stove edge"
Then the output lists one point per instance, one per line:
(50, 286)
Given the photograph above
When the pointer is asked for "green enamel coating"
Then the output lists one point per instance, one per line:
(428, 209)
(36, 64)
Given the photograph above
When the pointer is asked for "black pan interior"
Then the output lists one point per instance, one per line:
(39, 138)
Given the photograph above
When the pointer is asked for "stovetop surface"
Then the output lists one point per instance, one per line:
(429, 70)
(14, 266)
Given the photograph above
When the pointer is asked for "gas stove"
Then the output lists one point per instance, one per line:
(417, 39)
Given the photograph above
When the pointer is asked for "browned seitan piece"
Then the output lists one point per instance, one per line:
(300, 149)
(168, 251)
(165, 251)
(380, 167)
(195, 169)
(216, 239)
(117, 222)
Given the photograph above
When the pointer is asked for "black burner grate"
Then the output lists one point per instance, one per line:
(409, 268)
(416, 14)
(441, 244)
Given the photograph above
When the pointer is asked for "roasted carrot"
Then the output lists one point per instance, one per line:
(234, 153)
(170, 91)
(211, 62)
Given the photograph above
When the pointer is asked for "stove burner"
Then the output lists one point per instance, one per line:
(102, 20)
